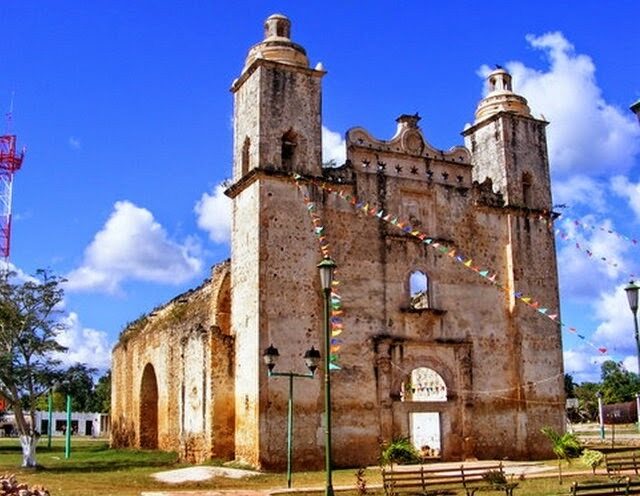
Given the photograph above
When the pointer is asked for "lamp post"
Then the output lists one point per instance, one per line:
(638, 410)
(311, 359)
(326, 268)
(632, 296)
(600, 413)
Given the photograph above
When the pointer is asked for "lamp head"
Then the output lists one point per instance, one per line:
(270, 357)
(326, 267)
(632, 296)
(312, 359)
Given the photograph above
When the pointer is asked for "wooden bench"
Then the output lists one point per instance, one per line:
(616, 464)
(439, 480)
(620, 487)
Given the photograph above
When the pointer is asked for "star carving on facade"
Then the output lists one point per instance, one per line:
(414, 170)
(429, 174)
(398, 168)
(366, 163)
(445, 175)
(382, 166)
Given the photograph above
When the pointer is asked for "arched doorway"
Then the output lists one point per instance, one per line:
(424, 385)
(149, 409)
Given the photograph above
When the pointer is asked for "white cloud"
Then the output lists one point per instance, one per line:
(132, 245)
(74, 143)
(586, 134)
(616, 331)
(585, 277)
(213, 213)
(333, 147)
(629, 191)
(84, 345)
(581, 190)
(583, 363)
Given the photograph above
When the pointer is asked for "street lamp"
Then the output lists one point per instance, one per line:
(600, 413)
(632, 296)
(311, 359)
(326, 268)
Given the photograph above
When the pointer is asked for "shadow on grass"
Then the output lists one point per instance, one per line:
(94, 457)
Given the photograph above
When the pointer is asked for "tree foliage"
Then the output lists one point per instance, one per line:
(30, 319)
(618, 384)
(565, 446)
(101, 400)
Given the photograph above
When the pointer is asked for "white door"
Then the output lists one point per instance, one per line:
(425, 431)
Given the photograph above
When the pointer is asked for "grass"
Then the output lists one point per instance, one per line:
(96, 470)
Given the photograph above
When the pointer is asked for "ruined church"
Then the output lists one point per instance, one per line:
(442, 258)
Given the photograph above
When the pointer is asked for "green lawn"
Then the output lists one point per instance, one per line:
(96, 470)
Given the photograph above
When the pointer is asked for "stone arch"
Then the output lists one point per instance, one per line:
(148, 408)
(423, 384)
(221, 307)
(433, 363)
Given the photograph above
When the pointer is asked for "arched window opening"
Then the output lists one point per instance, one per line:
(419, 290)
(289, 144)
(526, 189)
(245, 155)
(149, 409)
(423, 384)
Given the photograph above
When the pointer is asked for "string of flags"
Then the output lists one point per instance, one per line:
(336, 320)
(486, 273)
(588, 251)
(591, 227)
(496, 393)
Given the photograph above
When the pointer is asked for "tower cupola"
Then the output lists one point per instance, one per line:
(277, 44)
(501, 97)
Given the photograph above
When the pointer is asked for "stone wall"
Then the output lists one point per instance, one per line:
(173, 376)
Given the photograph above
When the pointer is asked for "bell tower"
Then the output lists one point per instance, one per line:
(277, 132)
(509, 146)
(277, 99)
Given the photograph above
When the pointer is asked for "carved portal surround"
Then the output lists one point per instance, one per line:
(396, 358)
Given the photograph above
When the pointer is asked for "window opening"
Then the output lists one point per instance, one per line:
(419, 290)
(245, 155)
(526, 189)
(289, 143)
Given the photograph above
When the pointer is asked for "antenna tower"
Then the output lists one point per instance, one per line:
(10, 163)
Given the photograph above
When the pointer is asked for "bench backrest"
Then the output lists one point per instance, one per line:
(622, 487)
(620, 463)
(430, 477)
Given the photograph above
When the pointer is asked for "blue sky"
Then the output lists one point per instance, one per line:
(125, 110)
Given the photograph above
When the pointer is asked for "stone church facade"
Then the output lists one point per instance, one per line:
(429, 349)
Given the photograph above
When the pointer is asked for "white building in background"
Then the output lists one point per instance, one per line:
(82, 424)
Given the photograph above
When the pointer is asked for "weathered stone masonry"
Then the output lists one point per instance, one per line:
(491, 369)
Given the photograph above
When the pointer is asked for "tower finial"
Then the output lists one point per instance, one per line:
(501, 97)
(277, 44)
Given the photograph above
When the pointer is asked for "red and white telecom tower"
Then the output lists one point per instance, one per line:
(10, 162)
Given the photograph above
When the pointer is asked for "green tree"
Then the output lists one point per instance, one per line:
(30, 319)
(618, 384)
(569, 386)
(101, 400)
(587, 400)
(565, 446)
(77, 382)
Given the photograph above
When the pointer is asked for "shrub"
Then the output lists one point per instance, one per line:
(592, 459)
(494, 477)
(400, 451)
